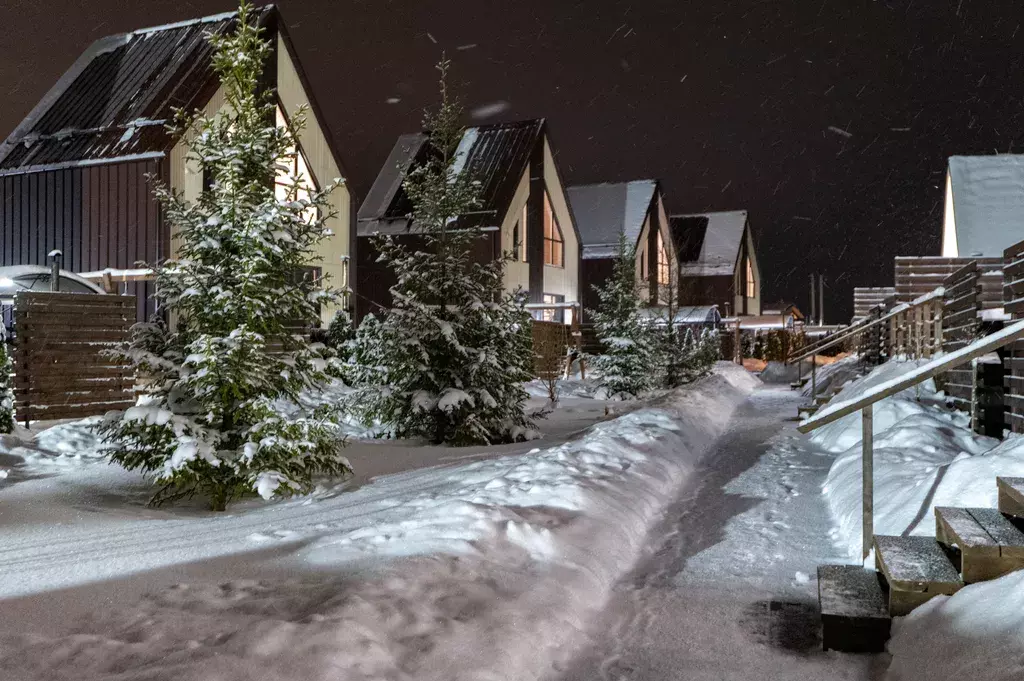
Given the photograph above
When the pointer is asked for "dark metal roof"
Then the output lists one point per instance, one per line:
(113, 102)
(495, 155)
(605, 211)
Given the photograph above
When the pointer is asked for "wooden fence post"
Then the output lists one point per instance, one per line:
(868, 480)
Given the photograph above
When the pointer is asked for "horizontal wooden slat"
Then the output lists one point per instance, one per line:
(61, 398)
(38, 380)
(36, 413)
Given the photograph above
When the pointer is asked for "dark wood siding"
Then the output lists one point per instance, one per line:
(595, 272)
(708, 291)
(99, 216)
(374, 279)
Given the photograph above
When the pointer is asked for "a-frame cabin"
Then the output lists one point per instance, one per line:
(73, 173)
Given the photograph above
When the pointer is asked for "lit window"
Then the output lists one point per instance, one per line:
(643, 264)
(552, 314)
(296, 182)
(554, 245)
(750, 279)
(662, 262)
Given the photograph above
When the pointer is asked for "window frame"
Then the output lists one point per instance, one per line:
(748, 274)
(556, 236)
(663, 263)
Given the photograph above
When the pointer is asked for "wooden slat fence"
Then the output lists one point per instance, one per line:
(551, 342)
(916, 276)
(1013, 304)
(962, 303)
(866, 298)
(61, 369)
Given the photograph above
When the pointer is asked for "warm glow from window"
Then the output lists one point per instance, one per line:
(554, 245)
(283, 183)
(553, 315)
(750, 279)
(662, 262)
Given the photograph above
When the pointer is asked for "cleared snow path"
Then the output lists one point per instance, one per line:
(728, 588)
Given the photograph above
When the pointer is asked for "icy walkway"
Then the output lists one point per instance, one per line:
(727, 590)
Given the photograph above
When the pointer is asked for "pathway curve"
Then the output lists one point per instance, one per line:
(727, 590)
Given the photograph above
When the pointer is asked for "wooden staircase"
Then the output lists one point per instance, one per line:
(971, 545)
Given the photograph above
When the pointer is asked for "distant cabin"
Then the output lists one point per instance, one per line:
(984, 209)
(73, 173)
(718, 261)
(607, 211)
(783, 308)
(523, 210)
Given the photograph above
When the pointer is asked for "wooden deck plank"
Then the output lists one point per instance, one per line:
(1011, 496)
(916, 564)
(854, 609)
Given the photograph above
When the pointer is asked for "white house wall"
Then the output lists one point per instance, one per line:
(562, 281)
(335, 249)
(949, 245)
(186, 177)
(517, 274)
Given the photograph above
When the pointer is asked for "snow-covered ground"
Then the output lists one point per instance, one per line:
(925, 455)
(726, 589)
(478, 563)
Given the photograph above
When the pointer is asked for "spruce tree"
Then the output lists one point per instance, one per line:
(6, 387)
(206, 424)
(453, 351)
(628, 364)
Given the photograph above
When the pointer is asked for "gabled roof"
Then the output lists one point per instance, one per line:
(708, 244)
(114, 102)
(606, 211)
(495, 155)
(988, 202)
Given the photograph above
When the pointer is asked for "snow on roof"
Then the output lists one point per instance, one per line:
(112, 103)
(496, 155)
(988, 202)
(709, 243)
(607, 210)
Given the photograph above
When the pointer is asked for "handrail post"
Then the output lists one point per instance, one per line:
(814, 378)
(868, 480)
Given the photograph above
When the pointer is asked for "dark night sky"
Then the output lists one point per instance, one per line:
(730, 103)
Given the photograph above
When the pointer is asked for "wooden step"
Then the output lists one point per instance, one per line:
(807, 410)
(854, 609)
(916, 570)
(1011, 496)
(822, 400)
(990, 545)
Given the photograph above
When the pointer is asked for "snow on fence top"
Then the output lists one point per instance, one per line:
(980, 347)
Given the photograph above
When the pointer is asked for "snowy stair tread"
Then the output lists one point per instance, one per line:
(916, 569)
(854, 609)
(1011, 496)
(990, 545)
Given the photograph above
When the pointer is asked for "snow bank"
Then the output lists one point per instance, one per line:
(925, 455)
(779, 372)
(489, 570)
(835, 375)
(977, 634)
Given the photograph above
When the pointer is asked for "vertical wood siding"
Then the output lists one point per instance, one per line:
(99, 216)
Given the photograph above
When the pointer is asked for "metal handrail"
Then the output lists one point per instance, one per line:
(865, 402)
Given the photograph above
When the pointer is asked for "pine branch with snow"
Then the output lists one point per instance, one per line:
(627, 366)
(448, 360)
(205, 424)
(6, 386)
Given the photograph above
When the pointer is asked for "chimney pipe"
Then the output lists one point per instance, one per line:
(814, 307)
(821, 299)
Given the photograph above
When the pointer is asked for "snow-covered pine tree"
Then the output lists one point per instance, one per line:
(206, 424)
(454, 349)
(628, 364)
(340, 331)
(6, 388)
